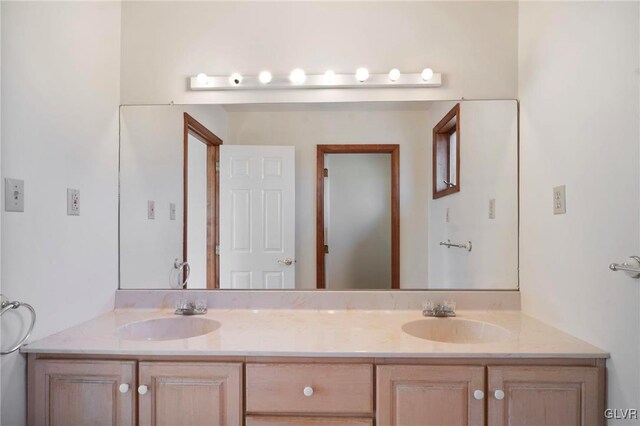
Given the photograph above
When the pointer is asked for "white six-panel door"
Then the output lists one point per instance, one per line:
(257, 217)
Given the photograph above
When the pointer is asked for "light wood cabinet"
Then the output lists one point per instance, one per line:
(550, 396)
(310, 388)
(409, 395)
(307, 421)
(190, 393)
(315, 391)
(72, 392)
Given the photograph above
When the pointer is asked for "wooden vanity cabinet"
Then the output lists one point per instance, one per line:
(430, 395)
(190, 393)
(522, 395)
(255, 391)
(550, 396)
(79, 392)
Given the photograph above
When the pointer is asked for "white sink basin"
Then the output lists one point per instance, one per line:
(178, 327)
(455, 330)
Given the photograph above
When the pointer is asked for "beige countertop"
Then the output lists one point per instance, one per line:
(317, 333)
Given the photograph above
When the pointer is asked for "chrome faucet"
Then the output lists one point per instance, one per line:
(190, 308)
(439, 310)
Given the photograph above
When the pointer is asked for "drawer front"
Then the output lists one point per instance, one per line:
(307, 421)
(330, 388)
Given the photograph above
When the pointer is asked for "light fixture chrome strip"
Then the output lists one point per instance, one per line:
(315, 81)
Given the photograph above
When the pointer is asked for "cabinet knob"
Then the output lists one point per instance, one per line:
(478, 394)
(143, 389)
(499, 394)
(308, 391)
(123, 388)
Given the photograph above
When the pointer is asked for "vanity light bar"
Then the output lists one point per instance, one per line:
(313, 81)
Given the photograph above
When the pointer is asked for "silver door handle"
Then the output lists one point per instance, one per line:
(288, 261)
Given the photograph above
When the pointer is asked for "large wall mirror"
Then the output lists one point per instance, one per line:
(336, 196)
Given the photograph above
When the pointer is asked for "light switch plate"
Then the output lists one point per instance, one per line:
(492, 208)
(559, 200)
(73, 202)
(13, 195)
(151, 209)
(172, 211)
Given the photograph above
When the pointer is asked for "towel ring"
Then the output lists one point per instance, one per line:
(5, 305)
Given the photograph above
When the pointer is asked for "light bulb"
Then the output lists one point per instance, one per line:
(362, 74)
(427, 73)
(202, 78)
(265, 77)
(394, 74)
(235, 79)
(329, 77)
(297, 76)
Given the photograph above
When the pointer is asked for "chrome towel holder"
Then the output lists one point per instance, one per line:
(631, 266)
(6, 305)
(449, 244)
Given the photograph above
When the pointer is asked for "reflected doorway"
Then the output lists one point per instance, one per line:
(358, 221)
(201, 204)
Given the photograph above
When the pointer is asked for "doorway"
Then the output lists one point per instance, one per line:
(358, 216)
(201, 204)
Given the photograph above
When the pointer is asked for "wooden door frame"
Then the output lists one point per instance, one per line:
(213, 142)
(443, 130)
(394, 150)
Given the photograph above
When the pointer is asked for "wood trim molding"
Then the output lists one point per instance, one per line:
(213, 142)
(394, 150)
(444, 128)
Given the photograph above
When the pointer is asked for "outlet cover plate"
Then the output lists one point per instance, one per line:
(559, 200)
(13, 195)
(73, 202)
(151, 209)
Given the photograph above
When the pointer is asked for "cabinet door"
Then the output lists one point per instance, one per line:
(70, 392)
(307, 421)
(190, 393)
(410, 395)
(549, 396)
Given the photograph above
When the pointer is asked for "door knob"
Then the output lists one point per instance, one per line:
(124, 388)
(142, 389)
(478, 394)
(308, 391)
(288, 261)
(499, 394)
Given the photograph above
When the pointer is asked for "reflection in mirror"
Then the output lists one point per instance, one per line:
(256, 209)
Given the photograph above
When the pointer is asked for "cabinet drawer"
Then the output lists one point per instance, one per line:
(336, 388)
(307, 421)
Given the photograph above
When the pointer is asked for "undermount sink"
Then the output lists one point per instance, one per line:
(173, 328)
(455, 330)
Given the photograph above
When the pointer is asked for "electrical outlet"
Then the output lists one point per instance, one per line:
(559, 200)
(492, 208)
(151, 209)
(172, 211)
(13, 195)
(73, 202)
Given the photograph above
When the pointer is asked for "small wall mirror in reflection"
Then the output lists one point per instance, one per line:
(319, 196)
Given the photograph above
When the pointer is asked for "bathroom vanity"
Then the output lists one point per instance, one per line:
(315, 367)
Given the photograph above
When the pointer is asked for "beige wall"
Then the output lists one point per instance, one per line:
(580, 127)
(473, 43)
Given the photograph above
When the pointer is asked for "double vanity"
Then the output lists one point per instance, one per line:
(313, 363)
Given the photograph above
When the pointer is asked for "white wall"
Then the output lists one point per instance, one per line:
(489, 170)
(347, 124)
(151, 168)
(60, 96)
(580, 117)
(358, 221)
(197, 212)
(473, 43)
